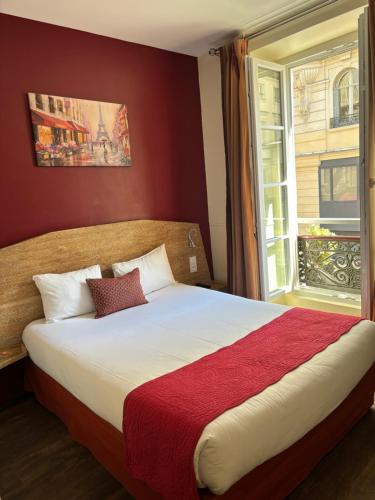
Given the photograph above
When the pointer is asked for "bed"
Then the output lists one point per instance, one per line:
(82, 369)
(100, 362)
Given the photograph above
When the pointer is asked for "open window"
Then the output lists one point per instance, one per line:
(307, 112)
(270, 136)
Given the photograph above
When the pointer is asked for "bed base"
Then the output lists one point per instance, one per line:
(272, 480)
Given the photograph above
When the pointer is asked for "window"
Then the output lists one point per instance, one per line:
(272, 184)
(344, 184)
(339, 191)
(346, 99)
(325, 184)
(39, 101)
(51, 104)
(269, 84)
(338, 182)
(60, 106)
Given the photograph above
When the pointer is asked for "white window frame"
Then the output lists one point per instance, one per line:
(289, 182)
(365, 181)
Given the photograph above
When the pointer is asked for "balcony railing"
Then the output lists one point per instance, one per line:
(332, 262)
(344, 121)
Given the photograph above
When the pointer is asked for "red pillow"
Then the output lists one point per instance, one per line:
(114, 294)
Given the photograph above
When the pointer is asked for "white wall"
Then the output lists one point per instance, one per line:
(214, 153)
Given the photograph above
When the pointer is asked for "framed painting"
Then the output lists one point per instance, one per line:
(71, 132)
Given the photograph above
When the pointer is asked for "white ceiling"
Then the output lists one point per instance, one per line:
(186, 26)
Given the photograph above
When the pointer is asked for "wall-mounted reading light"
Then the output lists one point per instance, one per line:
(214, 52)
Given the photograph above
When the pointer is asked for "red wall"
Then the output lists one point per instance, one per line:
(160, 88)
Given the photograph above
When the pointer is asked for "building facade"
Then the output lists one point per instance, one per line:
(326, 127)
(57, 125)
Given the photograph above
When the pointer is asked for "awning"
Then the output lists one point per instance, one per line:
(40, 118)
(78, 127)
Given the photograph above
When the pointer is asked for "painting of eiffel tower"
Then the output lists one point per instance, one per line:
(102, 134)
(79, 132)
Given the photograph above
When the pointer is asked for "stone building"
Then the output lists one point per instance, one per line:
(326, 116)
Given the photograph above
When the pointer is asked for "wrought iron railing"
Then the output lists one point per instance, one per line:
(332, 262)
(344, 121)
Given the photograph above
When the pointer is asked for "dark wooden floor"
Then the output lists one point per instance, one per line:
(39, 460)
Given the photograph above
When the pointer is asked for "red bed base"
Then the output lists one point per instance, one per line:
(272, 480)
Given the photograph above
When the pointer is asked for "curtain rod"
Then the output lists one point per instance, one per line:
(285, 20)
(288, 19)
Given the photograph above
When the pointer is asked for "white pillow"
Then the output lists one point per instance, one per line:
(154, 268)
(66, 295)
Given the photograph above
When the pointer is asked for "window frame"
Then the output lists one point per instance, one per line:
(352, 118)
(51, 104)
(337, 163)
(288, 183)
(39, 104)
(60, 105)
(345, 209)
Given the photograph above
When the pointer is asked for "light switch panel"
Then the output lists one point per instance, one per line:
(193, 264)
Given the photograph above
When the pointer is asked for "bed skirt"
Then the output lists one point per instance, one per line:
(272, 480)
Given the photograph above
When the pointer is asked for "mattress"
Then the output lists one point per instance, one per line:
(101, 361)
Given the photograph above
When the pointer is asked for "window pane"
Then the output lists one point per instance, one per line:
(261, 90)
(269, 102)
(356, 96)
(348, 97)
(344, 183)
(39, 101)
(344, 112)
(51, 104)
(275, 211)
(325, 184)
(277, 264)
(272, 156)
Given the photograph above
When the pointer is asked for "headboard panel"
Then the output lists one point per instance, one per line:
(72, 249)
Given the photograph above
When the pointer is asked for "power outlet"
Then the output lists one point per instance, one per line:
(193, 264)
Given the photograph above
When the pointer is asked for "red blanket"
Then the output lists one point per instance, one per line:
(164, 418)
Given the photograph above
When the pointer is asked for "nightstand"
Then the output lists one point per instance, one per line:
(11, 373)
(11, 355)
(219, 286)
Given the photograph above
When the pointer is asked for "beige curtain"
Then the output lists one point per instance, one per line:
(243, 269)
(371, 146)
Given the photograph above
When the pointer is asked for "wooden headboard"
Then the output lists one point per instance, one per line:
(72, 249)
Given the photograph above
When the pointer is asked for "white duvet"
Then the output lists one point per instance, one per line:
(100, 361)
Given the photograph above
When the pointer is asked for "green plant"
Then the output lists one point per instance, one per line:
(321, 255)
(316, 230)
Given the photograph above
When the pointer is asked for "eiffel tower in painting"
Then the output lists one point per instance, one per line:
(102, 133)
